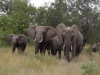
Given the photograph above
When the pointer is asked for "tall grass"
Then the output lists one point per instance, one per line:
(30, 64)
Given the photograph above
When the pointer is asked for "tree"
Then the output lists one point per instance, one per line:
(18, 20)
(88, 19)
(40, 17)
(56, 13)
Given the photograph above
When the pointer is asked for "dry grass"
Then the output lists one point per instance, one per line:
(30, 64)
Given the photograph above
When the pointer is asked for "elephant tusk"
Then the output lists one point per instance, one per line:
(41, 40)
(34, 40)
(63, 46)
(71, 47)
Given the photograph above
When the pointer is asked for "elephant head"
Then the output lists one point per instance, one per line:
(12, 38)
(68, 37)
(41, 33)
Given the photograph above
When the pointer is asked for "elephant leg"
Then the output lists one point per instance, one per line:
(13, 49)
(79, 50)
(52, 52)
(64, 49)
(55, 52)
(49, 52)
(22, 49)
(67, 53)
(41, 48)
(59, 54)
(73, 50)
(18, 49)
(44, 49)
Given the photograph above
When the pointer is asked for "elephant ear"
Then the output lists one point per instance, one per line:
(31, 31)
(59, 30)
(10, 37)
(50, 32)
(22, 39)
(75, 29)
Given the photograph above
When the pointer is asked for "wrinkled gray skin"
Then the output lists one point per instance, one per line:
(55, 46)
(41, 35)
(71, 40)
(18, 41)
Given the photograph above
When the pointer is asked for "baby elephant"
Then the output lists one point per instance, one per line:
(19, 41)
(54, 46)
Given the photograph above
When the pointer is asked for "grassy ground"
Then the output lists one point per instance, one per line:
(30, 64)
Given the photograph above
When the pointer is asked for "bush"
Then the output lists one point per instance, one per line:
(90, 69)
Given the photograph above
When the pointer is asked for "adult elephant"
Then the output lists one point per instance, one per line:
(41, 35)
(18, 41)
(71, 39)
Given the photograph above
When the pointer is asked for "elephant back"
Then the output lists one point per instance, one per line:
(22, 39)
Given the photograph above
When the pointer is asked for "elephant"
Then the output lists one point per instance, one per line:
(98, 47)
(18, 41)
(71, 40)
(94, 48)
(41, 36)
(55, 46)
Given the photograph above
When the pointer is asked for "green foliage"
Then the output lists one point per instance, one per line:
(56, 13)
(18, 20)
(90, 69)
(40, 17)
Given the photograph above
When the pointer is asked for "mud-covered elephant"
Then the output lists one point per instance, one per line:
(41, 35)
(55, 46)
(71, 40)
(18, 41)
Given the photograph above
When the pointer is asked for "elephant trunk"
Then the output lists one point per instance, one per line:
(38, 38)
(67, 48)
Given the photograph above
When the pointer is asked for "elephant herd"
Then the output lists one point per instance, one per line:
(69, 39)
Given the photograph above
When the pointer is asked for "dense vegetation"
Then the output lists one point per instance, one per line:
(17, 15)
